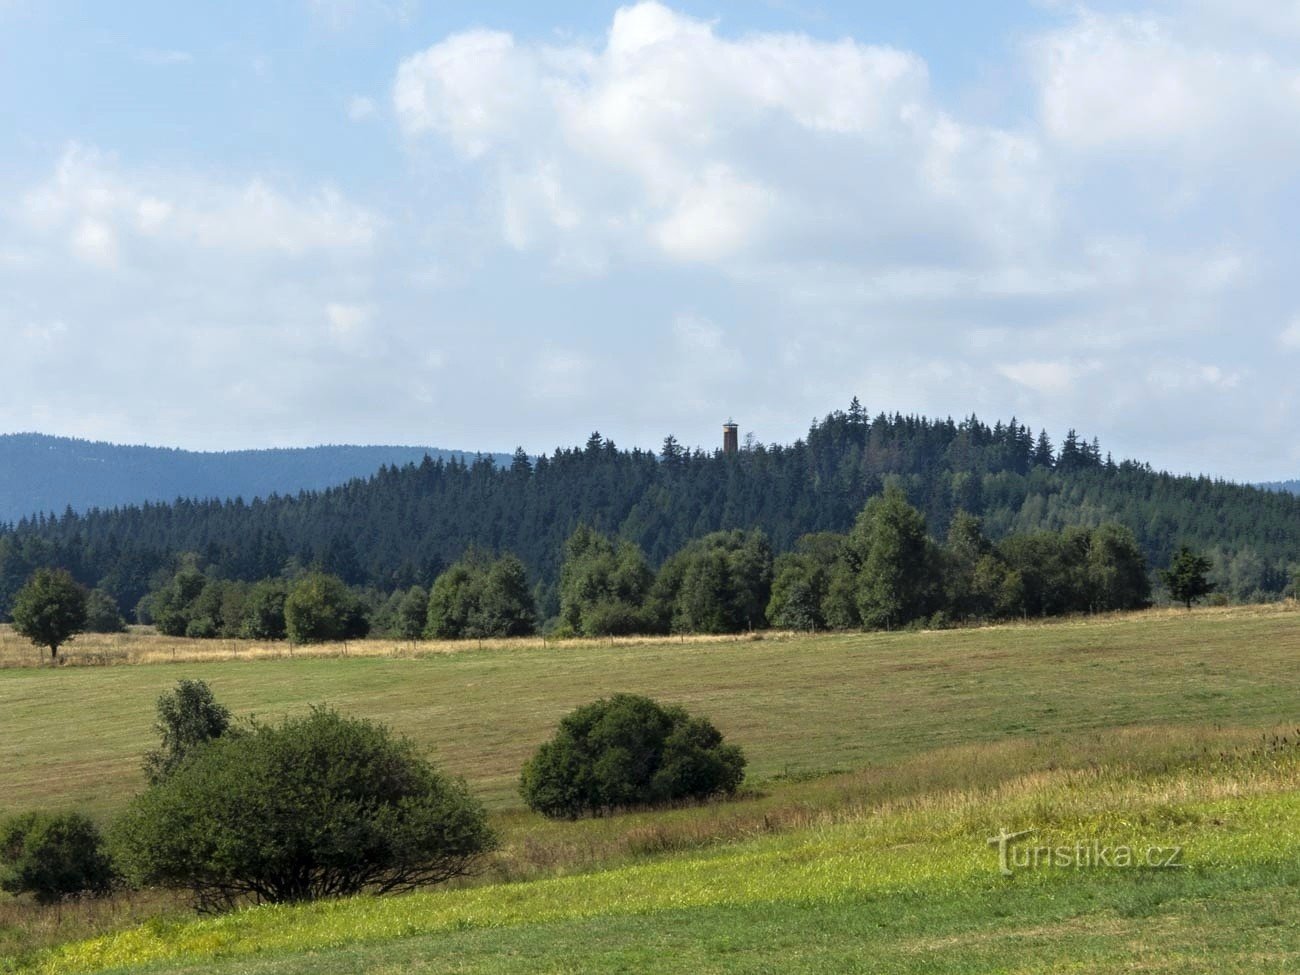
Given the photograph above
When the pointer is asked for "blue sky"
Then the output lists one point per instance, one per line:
(502, 224)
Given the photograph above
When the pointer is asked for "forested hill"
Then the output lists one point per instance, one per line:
(405, 523)
(48, 474)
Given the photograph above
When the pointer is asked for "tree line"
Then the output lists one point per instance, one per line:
(886, 572)
(405, 526)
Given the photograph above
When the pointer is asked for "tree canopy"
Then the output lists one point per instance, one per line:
(317, 806)
(50, 609)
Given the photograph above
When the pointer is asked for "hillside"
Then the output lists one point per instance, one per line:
(864, 828)
(802, 705)
(41, 474)
(404, 524)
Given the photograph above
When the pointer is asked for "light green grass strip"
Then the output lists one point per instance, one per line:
(873, 858)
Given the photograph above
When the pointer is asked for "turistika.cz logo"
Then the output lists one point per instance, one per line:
(1015, 852)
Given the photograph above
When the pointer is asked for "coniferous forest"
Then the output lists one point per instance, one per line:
(404, 526)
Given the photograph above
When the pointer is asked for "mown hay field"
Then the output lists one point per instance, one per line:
(73, 735)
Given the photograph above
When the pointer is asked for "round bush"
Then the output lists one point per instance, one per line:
(318, 806)
(629, 751)
(53, 857)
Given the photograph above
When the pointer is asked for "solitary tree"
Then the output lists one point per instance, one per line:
(1187, 577)
(318, 806)
(188, 717)
(50, 610)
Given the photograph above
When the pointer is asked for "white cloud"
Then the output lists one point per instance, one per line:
(1180, 376)
(96, 205)
(671, 141)
(1047, 377)
(1290, 336)
(94, 242)
(1150, 83)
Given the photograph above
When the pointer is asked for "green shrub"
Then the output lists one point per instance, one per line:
(318, 806)
(201, 628)
(102, 614)
(53, 857)
(626, 751)
(321, 609)
(264, 611)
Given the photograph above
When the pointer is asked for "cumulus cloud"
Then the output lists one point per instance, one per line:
(1154, 83)
(96, 204)
(668, 140)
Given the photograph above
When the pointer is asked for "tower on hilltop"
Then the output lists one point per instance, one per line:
(730, 437)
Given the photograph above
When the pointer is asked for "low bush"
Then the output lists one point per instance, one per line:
(53, 857)
(629, 751)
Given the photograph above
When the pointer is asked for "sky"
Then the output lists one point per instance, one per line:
(502, 224)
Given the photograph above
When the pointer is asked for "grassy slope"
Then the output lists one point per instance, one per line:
(882, 870)
(74, 736)
(910, 886)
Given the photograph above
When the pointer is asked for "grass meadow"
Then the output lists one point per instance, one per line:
(880, 766)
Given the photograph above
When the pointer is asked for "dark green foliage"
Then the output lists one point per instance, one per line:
(263, 617)
(1116, 570)
(50, 609)
(505, 604)
(452, 601)
(604, 585)
(412, 614)
(407, 524)
(53, 857)
(481, 597)
(1078, 570)
(321, 609)
(188, 718)
(721, 583)
(318, 806)
(1187, 577)
(102, 614)
(899, 571)
(801, 585)
(193, 604)
(627, 751)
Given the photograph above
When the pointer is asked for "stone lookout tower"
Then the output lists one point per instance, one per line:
(730, 437)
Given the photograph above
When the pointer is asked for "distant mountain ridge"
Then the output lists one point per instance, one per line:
(1289, 487)
(40, 474)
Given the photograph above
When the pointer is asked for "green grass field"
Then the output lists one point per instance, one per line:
(880, 765)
